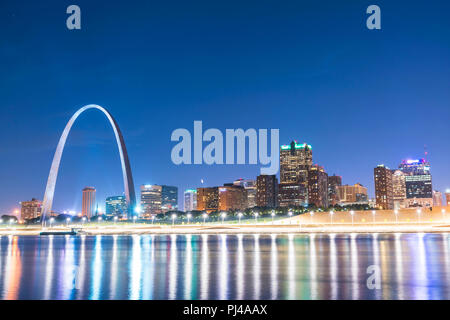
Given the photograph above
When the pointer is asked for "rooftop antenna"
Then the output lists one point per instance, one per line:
(425, 152)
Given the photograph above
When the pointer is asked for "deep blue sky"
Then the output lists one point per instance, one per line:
(310, 68)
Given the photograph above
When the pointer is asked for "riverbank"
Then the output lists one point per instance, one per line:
(240, 229)
(380, 221)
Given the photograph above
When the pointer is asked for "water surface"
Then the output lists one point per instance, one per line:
(320, 266)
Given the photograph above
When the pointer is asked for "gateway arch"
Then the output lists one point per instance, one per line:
(125, 162)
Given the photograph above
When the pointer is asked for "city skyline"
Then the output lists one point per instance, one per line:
(156, 199)
(359, 100)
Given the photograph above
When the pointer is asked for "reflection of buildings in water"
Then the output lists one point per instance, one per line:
(399, 265)
(240, 279)
(173, 268)
(204, 268)
(49, 270)
(376, 259)
(188, 275)
(80, 280)
(97, 270)
(13, 270)
(291, 267)
(69, 270)
(446, 254)
(420, 269)
(313, 267)
(333, 266)
(113, 273)
(274, 268)
(256, 268)
(354, 269)
(223, 268)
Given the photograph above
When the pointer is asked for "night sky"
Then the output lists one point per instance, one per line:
(309, 68)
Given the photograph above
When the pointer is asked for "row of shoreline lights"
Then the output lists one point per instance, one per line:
(256, 214)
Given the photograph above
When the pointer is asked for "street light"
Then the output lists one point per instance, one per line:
(273, 215)
(204, 218)
(373, 216)
(83, 220)
(419, 211)
(189, 217)
(290, 215)
(256, 217)
(223, 216)
(51, 221)
(396, 215)
(115, 220)
(100, 219)
(240, 216)
(331, 216)
(311, 215)
(352, 213)
(443, 214)
(174, 216)
(153, 219)
(67, 221)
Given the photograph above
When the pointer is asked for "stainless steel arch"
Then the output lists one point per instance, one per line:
(125, 162)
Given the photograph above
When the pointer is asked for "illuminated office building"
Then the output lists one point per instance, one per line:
(295, 162)
(437, 198)
(116, 206)
(88, 202)
(292, 195)
(355, 194)
(250, 187)
(169, 198)
(383, 188)
(30, 209)
(334, 181)
(232, 197)
(318, 187)
(190, 200)
(399, 189)
(208, 199)
(267, 191)
(151, 199)
(418, 183)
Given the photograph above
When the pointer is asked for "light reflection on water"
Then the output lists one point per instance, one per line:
(314, 266)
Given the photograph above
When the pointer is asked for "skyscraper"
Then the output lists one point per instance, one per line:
(267, 191)
(437, 198)
(250, 186)
(334, 181)
(208, 199)
(190, 200)
(151, 198)
(169, 198)
(418, 183)
(447, 197)
(318, 186)
(116, 206)
(399, 189)
(383, 187)
(30, 209)
(88, 206)
(292, 194)
(356, 194)
(295, 162)
(232, 197)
